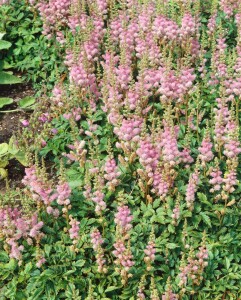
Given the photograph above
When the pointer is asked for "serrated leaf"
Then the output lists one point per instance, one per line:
(5, 101)
(206, 219)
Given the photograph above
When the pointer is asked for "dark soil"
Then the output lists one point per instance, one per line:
(9, 123)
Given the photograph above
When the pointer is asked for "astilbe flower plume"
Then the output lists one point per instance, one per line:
(216, 179)
(124, 258)
(123, 218)
(41, 189)
(97, 241)
(150, 252)
(111, 173)
(193, 270)
(98, 198)
(191, 189)
(205, 150)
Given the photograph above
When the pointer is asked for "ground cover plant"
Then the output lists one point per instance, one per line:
(131, 189)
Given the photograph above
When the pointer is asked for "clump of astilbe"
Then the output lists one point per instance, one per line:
(19, 221)
(150, 252)
(74, 232)
(222, 116)
(176, 212)
(111, 171)
(141, 288)
(216, 177)
(124, 258)
(97, 241)
(53, 12)
(192, 188)
(192, 269)
(228, 7)
(40, 188)
(154, 295)
(205, 150)
(169, 295)
(230, 179)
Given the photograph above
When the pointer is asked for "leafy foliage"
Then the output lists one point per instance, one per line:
(142, 128)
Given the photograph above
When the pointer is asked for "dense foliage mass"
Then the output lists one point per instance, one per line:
(141, 130)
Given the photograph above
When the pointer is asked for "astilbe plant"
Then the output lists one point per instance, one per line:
(147, 130)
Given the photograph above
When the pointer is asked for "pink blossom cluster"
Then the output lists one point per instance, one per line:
(41, 189)
(148, 155)
(191, 189)
(54, 12)
(15, 226)
(188, 27)
(165, 28)
(205, 150)
(123, 218)
(216, 179)
(194, 269)
(124, 258)
(83, 78)
(97, 241)
(75, 113)
(212, 24)
(176, 213)
(230, 180)
(169, 295)
(129, 130)
(170, 152)
(98, 198)
(111, 173)
(150, 252)
(74, 228)
(228, 6)
(64, 192)
(174, 87)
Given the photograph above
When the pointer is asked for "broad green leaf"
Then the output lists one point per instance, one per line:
(26, 102)
(3, 149)
(111, 288)
(6, 78)
(4, 44)
(5, 101)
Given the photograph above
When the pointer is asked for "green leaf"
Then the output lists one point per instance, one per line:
(4, 256)
(3, 149)
(112, 288)
(26, 102)
(4, 44)
(2, 35)
(6, 78)
(206, 219)
(5, 101)
(79, 263)
(21, 157)
(171, 246)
